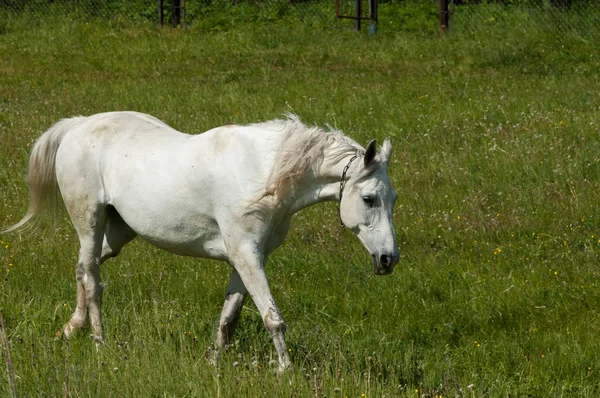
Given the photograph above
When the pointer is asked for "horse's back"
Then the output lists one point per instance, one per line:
(130, 136)
(120, 128)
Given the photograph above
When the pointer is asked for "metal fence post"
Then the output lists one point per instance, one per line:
(161, 14)
(175, 13)
(358, 13)
(443, 16)
(373, 16)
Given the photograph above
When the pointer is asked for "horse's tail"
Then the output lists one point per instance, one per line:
(41, 176)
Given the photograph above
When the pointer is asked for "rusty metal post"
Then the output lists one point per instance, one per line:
(161, 13)
(443, 16)
(175, 13)
(358, 13)
(373, 16)
(182, 13)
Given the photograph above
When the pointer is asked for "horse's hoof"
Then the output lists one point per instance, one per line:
(284, 368)
(67, 331)
(212, 354)
(97, 339)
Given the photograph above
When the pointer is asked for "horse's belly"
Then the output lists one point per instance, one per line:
(199, 246)
(186, 233)
(214, 249)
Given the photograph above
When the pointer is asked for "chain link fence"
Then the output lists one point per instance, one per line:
(579, 16)
(423, 16)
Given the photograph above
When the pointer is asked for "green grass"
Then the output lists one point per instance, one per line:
(497, 168)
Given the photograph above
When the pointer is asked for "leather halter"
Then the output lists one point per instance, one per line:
(343, 184)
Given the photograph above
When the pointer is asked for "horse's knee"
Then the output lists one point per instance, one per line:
(275, 323)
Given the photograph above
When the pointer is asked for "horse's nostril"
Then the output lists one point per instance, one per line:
(385, 260)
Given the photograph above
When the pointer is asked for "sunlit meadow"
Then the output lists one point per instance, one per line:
(497, 167)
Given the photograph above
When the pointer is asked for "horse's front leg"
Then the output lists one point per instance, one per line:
(249, 264)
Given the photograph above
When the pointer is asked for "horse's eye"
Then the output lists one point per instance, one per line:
(369, 200)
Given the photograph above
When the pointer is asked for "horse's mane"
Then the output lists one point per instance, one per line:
(299, 148)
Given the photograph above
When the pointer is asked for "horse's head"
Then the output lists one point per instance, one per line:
(367, 205)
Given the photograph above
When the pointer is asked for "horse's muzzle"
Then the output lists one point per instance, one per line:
(384, 264)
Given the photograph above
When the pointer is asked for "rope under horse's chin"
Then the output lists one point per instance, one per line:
(343, 184)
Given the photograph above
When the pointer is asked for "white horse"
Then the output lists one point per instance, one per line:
(227, 194)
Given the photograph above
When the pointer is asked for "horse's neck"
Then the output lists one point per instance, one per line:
(323, 184)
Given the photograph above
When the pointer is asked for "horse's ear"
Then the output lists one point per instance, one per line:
(370, 152)
(386, 150)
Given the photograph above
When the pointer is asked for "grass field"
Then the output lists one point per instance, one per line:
(497, 168)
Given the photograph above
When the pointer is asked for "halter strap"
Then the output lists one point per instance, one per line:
(343, 184)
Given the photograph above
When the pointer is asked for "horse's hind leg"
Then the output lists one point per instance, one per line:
(80, 315)
(102, 236)
(90, 223)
